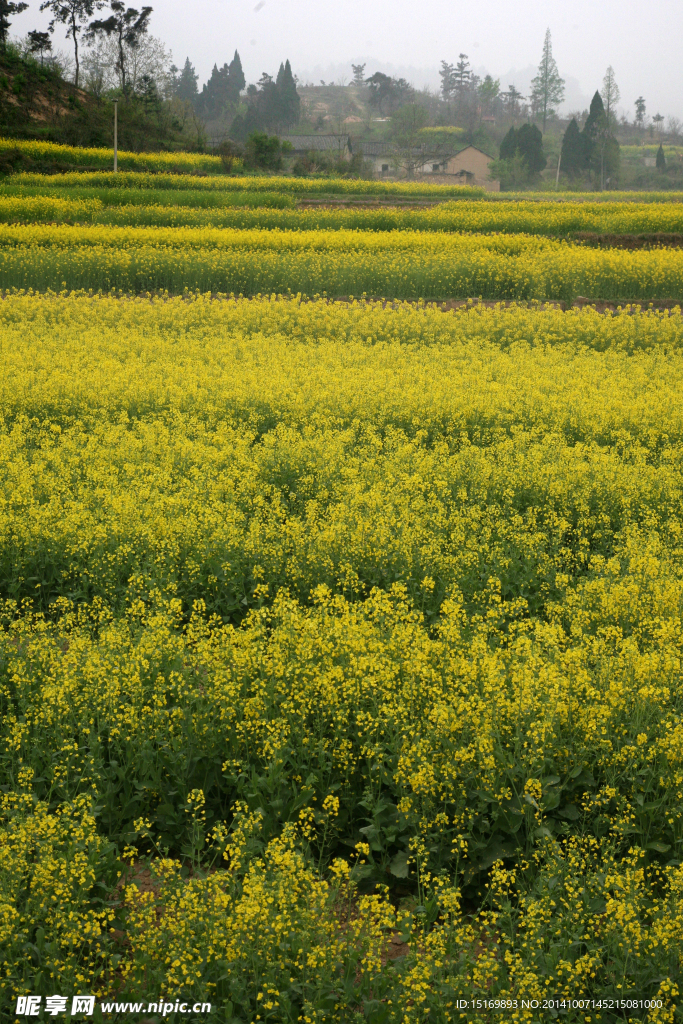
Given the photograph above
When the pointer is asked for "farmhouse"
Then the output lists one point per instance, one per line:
(378, 155)
(468, 167)
(471, 165)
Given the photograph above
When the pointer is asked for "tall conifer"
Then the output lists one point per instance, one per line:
(547, 88)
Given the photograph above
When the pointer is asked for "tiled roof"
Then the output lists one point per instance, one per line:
(305, 143)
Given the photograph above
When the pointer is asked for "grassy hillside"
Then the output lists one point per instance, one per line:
(37, 103)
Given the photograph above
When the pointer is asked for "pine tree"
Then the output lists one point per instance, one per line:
(572, 160)
(461, 74)
(290, 102)
(73, 14)
(186, 88)
(7, 11)
(236, 75)
(447, 76)
(661, 159)
(595, 114)
(358, 74)
(640, 111)
(547, 87)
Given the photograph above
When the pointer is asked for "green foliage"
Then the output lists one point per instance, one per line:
(661, 159)
(601, 149)
(521, 157)
(289, 101)
(186, 84)
(50, 109)
(547, 88)
(509, 144)
(8, 9)
(573, 160)
(272, 106)
(387, 93)
(222, 91)
(263, 152)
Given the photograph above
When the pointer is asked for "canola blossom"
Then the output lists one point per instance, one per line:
(397, 264)
(316, 187)
(166, 177)
(340, 641)
(189, 208)
(329, 598)
(88, 157)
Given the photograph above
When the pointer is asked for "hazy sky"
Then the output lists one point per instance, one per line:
(642, 41)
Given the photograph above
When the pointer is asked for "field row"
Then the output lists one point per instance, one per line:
(157, 444)
(272, 210)
(317, 187)
(393, 264)
(377, 611)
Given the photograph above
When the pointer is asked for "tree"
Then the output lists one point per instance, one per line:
(610, 93)
(39, 42)
(657, 121)
(661, 159)
(381, 90)
(547, 88)
(529, 145)
(640, 111)
(601, 148)
(447, 76)
(406, 125)
(236, 76)
(272, 105)
(511, 100)
(461, 74)
(264, 151)
(215, 94)
(358, 74)
(508, 145)
(8, 10)
(673, 127)
(149, 58)
(127, 26)
(489, 90)
(595, 114)
(223, 88)
(73, 14)
(573, 156)
(186, 84)
(521, 154)
(289, 100)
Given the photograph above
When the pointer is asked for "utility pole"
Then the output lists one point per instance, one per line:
(116, 136)
(557, 176)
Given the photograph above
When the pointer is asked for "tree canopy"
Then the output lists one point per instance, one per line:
(8, 10)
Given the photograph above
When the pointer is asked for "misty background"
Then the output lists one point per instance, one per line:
(322, 39)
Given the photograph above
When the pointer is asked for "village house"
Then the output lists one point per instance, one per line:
(470, 166)
(378, 155)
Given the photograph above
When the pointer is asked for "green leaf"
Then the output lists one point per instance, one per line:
(570, 811)
(399, 865)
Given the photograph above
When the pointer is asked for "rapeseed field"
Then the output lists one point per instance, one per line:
(340, 660)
